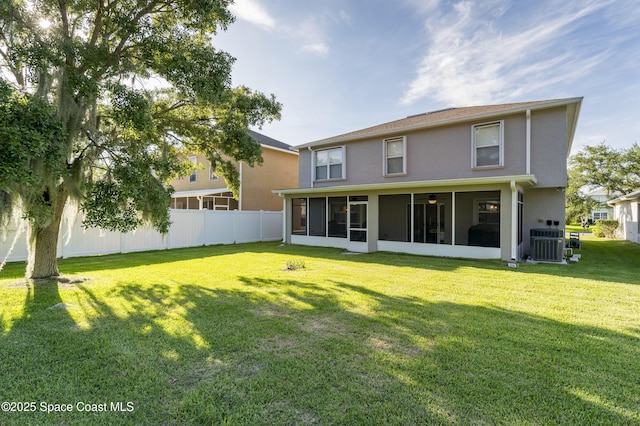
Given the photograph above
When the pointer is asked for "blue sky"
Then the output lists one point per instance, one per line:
(342, 65)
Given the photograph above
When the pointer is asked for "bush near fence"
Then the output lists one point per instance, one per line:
(605, 228)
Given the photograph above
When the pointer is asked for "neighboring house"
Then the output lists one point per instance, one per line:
(603, 211)
(626, 210)
(203, 189)
(461, 182)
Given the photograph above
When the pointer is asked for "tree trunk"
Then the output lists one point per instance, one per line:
(43, 242)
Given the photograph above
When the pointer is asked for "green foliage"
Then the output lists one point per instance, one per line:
(32, 154)
(617, 171)
(294, 264)
(108, 100)
(605, 228)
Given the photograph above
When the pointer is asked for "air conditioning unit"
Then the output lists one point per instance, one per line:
(547, 244)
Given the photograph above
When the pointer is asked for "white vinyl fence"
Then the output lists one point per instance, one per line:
(190, 228)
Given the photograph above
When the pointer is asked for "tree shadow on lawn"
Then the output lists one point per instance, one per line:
(294, 352)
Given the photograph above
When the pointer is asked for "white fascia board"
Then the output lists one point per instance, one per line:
(199, 192)
(288, 151)
(493, 180)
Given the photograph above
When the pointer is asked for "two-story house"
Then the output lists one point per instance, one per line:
(461, 182)
(203, 189)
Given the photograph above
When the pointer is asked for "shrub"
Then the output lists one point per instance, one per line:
(294, 264)
(605, 228)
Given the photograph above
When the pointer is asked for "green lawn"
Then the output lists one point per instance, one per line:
(225, 334)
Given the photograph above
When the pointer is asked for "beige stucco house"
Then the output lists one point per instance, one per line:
(461, 182)
(203, 189)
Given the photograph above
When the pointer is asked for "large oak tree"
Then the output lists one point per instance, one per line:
(100, 99)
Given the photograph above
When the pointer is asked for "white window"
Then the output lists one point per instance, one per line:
(194, 173)
(395, 156)
(212, 173)
(487, 143)
(329, 164)
(487, 211)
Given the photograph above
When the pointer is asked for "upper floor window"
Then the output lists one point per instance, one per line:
(329, 163)
(488, 144)
(212, 173)
(395, 150)
(194, 174)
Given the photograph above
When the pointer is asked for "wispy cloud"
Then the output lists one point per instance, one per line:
(309, 31)
(469, 61)
(253, 12)
(318, 49)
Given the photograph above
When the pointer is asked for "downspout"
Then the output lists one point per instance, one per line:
(514, 221)
(284, 217)
(528, 143)
(240, 190)
(312, 165)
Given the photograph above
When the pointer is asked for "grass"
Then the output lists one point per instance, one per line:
(576, 227)
(228, 334)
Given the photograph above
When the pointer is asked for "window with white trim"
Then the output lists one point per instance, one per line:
(395, 156)
(194, 174)
(487, 142)
(212, 173)
(487, 211)
(329, 163)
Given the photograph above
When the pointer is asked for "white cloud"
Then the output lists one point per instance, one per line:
(319, 49)
(252, 11)
(469, 62)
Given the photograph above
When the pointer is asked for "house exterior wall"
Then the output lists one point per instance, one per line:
(534, 150)
(202, 178)
(446, 153)
(540, 205)
(279, 170)
(549, 148)
(628, 214)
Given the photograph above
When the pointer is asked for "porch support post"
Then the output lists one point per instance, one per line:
(412, 216)
(514, 220)
(453, 218)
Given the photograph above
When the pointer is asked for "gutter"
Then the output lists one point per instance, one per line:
(492, 180)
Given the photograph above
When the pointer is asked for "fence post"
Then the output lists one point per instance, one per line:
(123, 243)
(204, 227)
(261, 225)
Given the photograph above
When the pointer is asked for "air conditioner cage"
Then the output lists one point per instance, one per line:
(547, 245)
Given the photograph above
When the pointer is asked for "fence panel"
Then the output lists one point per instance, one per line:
(190, 228)
(187, 229)
(220, 227)
(142, 239)
(271, 226)
(248, 227)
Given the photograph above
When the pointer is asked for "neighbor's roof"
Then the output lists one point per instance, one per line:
(270, 142)
(629, 197)
(454, 115)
